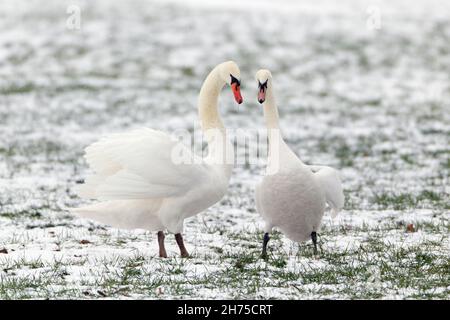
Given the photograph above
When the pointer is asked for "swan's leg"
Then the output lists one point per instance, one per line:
(264, 249)
(162, 249)
(180, 242)
(314, 240)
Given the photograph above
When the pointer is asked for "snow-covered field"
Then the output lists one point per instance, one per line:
(372, 102)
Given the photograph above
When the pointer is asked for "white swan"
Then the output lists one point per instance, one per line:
(142, 184)
(292, 195)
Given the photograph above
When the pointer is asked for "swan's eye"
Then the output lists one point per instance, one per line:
(262, 85)
(234, 80)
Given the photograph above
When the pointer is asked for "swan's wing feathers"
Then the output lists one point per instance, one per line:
(98, 154)
(332, 185)
(127, 185)
(144, 163)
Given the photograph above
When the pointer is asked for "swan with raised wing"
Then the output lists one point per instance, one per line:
(141, 181)
(292, 195)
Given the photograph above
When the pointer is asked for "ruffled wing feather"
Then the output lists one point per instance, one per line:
(141, 164)
(332, 185)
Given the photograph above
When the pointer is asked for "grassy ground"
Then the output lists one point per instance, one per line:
(372, 103)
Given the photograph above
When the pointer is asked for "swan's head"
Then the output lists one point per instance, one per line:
(230, 73)
(264, 79)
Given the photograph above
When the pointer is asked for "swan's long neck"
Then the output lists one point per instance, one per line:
(271, 116)
(220, 150)
(207, 102)
(279, 154)
(271, 110)
(277, 148)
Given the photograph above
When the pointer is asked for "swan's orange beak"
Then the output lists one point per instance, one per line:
(236, 88)
(261, 95)
(262, 91)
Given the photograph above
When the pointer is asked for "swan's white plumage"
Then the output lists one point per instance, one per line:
(143, 179)
(139, 165)
(124, 214)
(141, 186)
(331, 184)
(292, 196)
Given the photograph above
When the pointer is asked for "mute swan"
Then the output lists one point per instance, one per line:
(140, 182)
(292, 195)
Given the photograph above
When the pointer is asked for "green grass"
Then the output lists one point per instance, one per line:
(381, 263)
(18, 89)
(390, 146)
(402, 201)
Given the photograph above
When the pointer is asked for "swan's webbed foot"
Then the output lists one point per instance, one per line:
(180, 242)
(314, 240)
(264, 249)
(162, 249)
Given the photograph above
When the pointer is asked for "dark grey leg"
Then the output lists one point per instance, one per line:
(264, 249)
(314, 240)
(162, 249)
(180, 242)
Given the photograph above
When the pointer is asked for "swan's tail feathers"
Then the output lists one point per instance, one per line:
(335, 199)
(103, 212)
(331, 184)
(87, 190)
(124, 214)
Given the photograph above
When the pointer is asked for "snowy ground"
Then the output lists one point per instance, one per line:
(374, 103)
